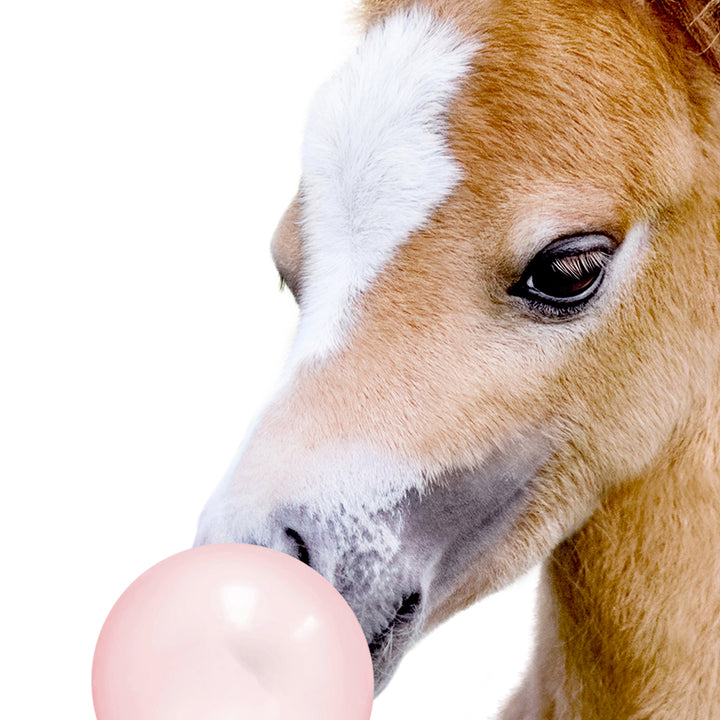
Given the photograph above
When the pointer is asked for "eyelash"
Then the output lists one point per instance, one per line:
(556, 312)
(575, 266)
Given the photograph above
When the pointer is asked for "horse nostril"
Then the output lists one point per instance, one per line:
(301, 550)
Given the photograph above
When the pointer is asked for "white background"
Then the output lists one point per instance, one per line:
(147, 150)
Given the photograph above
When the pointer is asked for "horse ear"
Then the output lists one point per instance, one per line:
(699, 20)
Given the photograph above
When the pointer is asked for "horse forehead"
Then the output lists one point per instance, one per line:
(376, 165)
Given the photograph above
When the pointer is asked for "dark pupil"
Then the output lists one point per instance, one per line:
(556, 279)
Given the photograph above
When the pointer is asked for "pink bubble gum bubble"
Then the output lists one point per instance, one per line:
(231, 632)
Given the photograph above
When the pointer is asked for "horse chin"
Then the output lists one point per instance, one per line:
(443, 533)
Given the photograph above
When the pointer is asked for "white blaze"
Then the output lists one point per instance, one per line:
(375, 165)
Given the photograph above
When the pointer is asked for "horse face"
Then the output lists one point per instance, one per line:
(470, 249)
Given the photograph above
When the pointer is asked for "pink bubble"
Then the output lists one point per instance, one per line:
(231, 632)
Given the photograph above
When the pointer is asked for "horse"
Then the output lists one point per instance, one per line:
(505, 249)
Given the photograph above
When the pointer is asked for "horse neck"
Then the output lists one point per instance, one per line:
(630, 604)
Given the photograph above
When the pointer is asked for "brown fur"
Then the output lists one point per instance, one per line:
(602, 114)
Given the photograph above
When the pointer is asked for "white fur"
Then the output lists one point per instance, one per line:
(375, 166)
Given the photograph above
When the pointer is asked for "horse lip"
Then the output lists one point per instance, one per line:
(385, 651)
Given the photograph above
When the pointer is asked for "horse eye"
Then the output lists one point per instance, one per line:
(567, 278)
(566, 274)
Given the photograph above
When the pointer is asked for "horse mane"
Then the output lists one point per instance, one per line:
(699, 20)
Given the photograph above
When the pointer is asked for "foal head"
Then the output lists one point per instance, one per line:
(500, 251)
